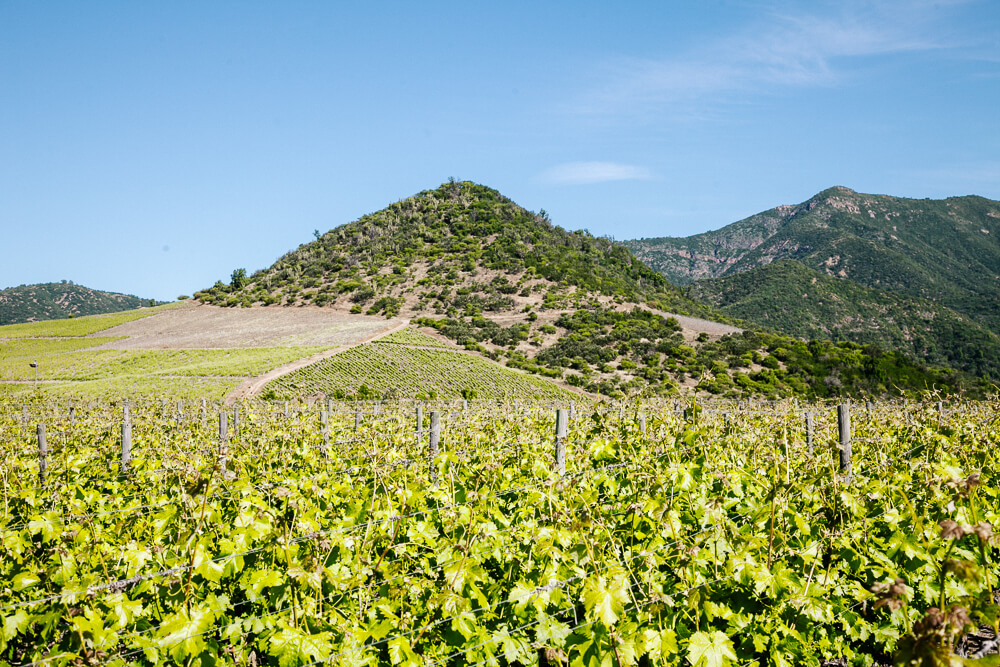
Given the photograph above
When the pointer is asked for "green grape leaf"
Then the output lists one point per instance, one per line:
(24, 580)
(261, 579)
(710, 650)
(600, 602)
(294, 647)
(18, 622)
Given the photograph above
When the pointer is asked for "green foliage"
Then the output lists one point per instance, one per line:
(787, 296)
(413, 337)
(617, 353)
(453, 233)
(239, 279)
(336, 541)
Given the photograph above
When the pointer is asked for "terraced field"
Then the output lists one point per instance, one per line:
(179, 350)
(189, 351)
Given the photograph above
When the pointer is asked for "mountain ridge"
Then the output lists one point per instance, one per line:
(50, 301)
(941, 257)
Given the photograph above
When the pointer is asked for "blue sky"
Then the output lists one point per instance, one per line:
(153, 147)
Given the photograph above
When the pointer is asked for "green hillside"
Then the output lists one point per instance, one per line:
(54, 301)
(946, 251)
(920, 276)
(788, 296)
(460, 249)
(509, 285)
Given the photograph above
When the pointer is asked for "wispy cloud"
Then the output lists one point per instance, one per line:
(789, 49)
(584, 173)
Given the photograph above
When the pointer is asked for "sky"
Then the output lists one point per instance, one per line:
(153, 147)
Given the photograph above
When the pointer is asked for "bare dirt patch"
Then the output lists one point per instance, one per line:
(199, 326)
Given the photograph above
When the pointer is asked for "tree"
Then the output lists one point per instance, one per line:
(239, 279)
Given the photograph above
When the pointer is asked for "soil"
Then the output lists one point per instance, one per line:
(198, 326)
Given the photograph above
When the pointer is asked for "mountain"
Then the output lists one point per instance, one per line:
(505, 282)
(53, 301)
(790, 297)
(946, 251)
(929, 272)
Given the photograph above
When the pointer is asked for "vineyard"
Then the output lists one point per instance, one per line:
(408, 363)
(498, 533)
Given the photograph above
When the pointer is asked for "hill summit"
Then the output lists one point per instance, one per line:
(462, 248)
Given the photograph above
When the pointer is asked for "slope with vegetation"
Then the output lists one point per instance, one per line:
(921, 276)
(789, 297)
(411, 364)
(53, 301)
(506, 283)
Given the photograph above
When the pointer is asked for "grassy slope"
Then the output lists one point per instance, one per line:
(81, 326)
(66, 367)
(49, 301)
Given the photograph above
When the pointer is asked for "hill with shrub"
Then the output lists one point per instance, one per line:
(54, 301)
(920, 276)
(467, 262)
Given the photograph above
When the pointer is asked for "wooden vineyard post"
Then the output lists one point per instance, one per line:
(325, 432)
(357, 419)
(180, 411)
(72, 416)
(236, 420)
(435, 442)
(844, 427)
(562, 430)
(223, 438)
(42, 452)
(204, 412)
(126, 442)
(420, 424)
(809, 430)
(642, 423)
